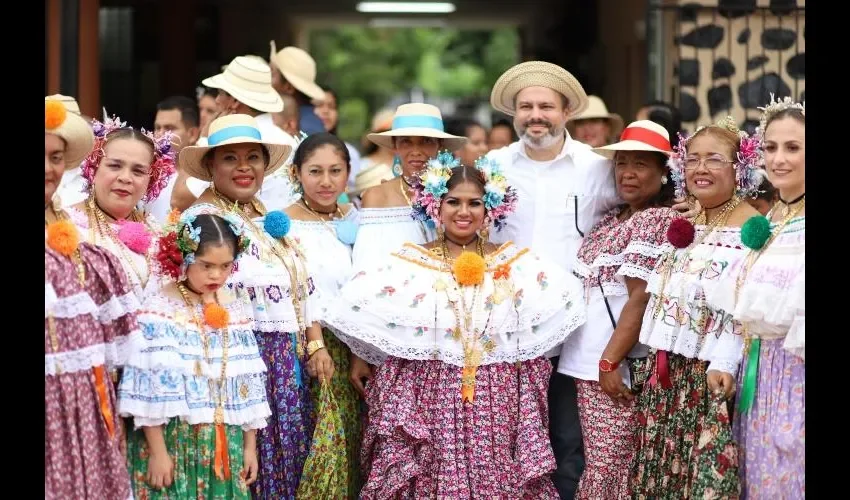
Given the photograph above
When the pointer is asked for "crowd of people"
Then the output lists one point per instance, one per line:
(239, 304)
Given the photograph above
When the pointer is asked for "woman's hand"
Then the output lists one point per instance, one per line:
(359, 370)
(612, 384)
(160, 470)
(320, 365)
(250, 466)
(685, 209)
(721, 383)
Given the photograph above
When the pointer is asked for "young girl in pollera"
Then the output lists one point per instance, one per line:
(195, 386)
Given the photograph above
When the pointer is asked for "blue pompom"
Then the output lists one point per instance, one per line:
(277, 224)
(346, 231)
(755, 232)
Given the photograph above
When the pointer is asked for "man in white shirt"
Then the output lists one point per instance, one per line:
(564, 189)
(245, 87)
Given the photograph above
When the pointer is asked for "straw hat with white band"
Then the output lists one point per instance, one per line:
(417, 120)
(70, 126)
(298, 68)
(642, 135)
(230, 129)
(596, 109)
(249, 81)
(537, 74)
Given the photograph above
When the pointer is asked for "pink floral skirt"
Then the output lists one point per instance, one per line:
(423, 441)
(608, 429)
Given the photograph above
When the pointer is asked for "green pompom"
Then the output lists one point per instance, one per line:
(755, 232)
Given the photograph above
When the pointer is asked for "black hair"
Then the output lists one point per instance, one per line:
(766, 191)
(188, 108)
(667, 194)
(208, 91)
(508, 125)
(313, 142)
(787, 113)
(215, 231)
(460, 126)
(465, 173)
(668, 116)
(329, 90)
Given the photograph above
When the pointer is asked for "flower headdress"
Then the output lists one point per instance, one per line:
(177, 246)
(748, 172)
(431, 185)
(162, 167)
(775, 106)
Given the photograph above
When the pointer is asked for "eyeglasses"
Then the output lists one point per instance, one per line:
(711, 162)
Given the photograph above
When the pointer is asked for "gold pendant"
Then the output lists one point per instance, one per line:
(199, 370)
(219, 416)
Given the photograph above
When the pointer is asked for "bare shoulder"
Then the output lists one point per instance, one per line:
(741, 214)
(295, 212)
(379, 196)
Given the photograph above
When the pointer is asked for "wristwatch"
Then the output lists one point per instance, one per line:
(605, 365)
(313, 346)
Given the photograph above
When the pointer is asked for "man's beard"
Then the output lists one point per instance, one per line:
(545, 141)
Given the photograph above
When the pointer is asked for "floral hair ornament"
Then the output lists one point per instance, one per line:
(748, 174)
(431, 185)
(161, 169)
(177, 246)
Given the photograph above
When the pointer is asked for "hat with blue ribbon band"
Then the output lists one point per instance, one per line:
(231, 129)
(417, 120)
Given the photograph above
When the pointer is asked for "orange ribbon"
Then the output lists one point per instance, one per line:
(467, 385)
(222, 458)
(100, 385)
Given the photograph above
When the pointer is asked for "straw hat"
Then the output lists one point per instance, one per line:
(642, 135)
(70, 126)
(537, 74)
(298, 68)
(417, 120)
(249, 80)
(372, 176)
(230, 129)
(250, 56)
(596, 109)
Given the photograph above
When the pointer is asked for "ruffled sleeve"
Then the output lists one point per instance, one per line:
(525, 307)
(168, 376)
(647, 243)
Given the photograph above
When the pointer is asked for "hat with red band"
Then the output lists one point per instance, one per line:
(642, 135)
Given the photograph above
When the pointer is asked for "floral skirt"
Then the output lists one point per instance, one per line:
(283, 445)
(81, 459)
(423, 441)
(348, 404)
(192, 449)
(685, 447)
(772, 435)
(608, 431)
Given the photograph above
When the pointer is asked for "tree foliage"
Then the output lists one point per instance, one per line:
(368, 67)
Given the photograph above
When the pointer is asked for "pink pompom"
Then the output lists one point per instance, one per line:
(135, 235)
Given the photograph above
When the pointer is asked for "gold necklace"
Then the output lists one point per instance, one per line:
(721, 218)
(284, 250)
(315, 214)
(97, 219)
(218, 417)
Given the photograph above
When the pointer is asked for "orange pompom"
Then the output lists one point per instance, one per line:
(62, 236)
(54, 114)
(469, 269)
(216, 316)
(173, 216)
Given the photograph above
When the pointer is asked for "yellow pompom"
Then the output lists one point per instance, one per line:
(54, 114)
(62, 237)
(469, 269)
